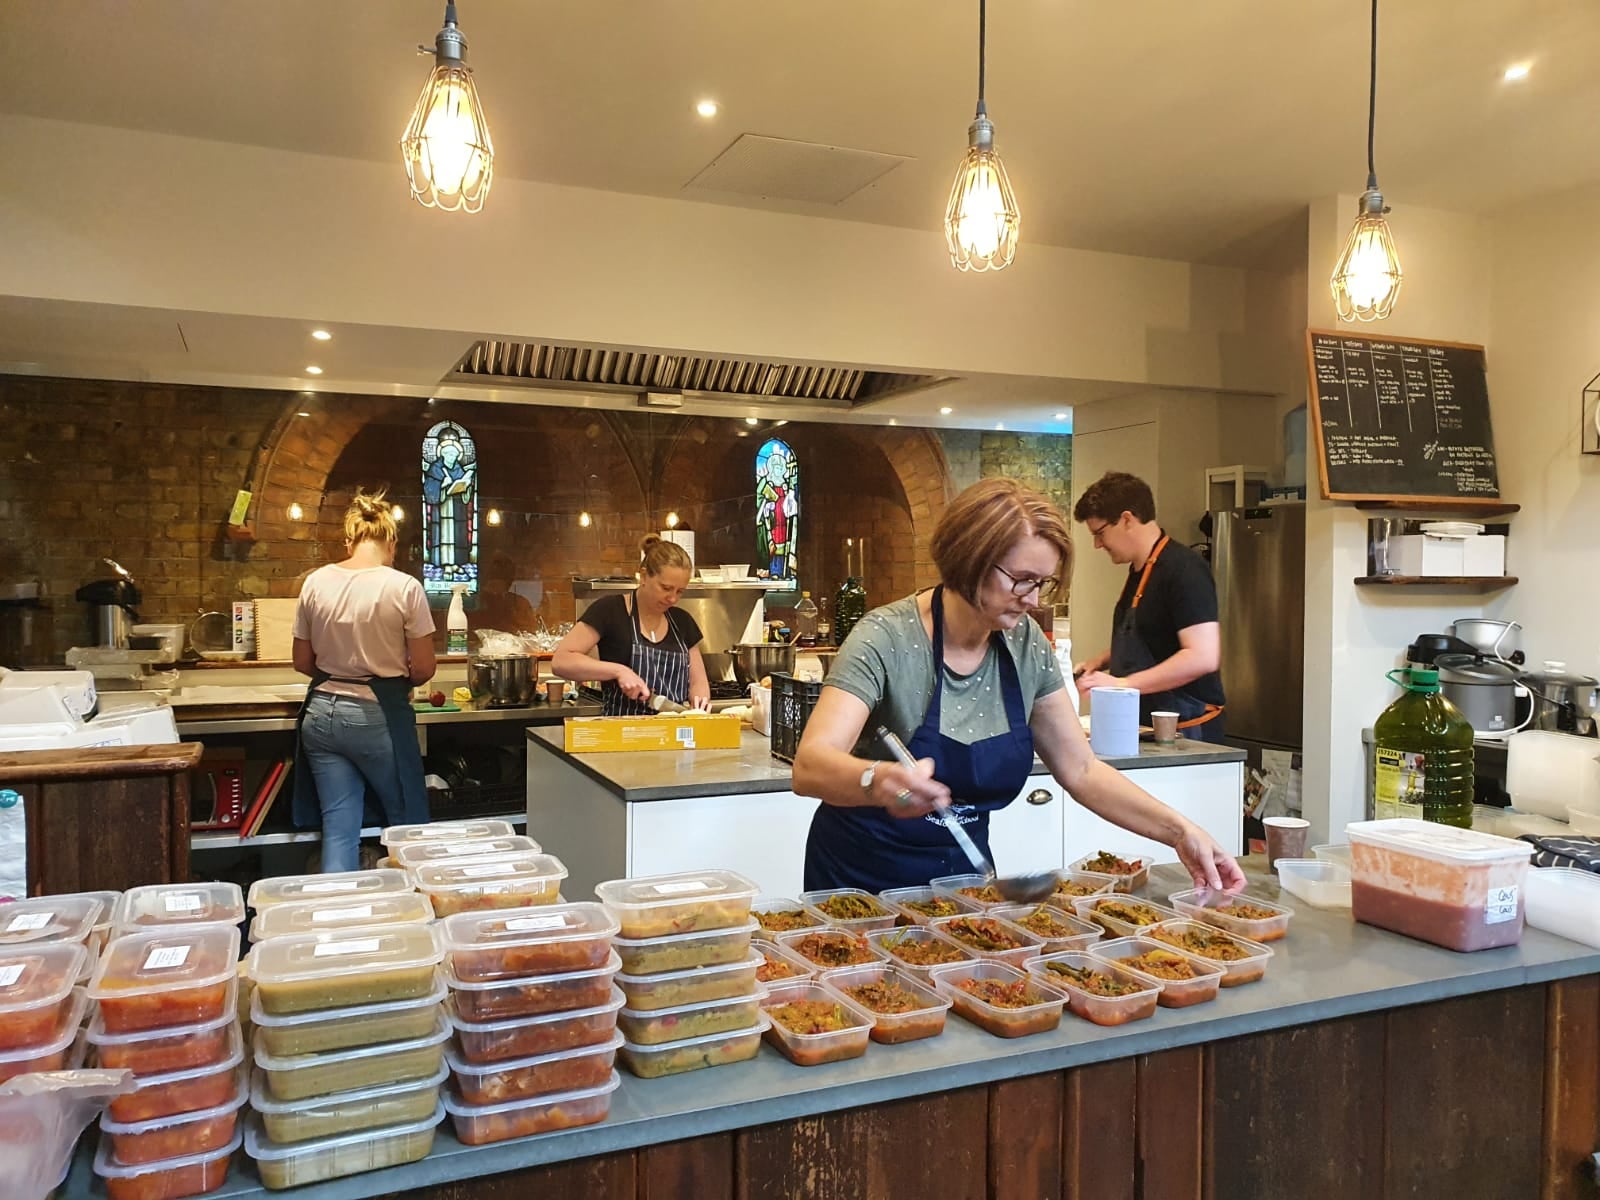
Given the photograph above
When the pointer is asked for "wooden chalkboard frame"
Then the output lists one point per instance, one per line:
(1314, 401)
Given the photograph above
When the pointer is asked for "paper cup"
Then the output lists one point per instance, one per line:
(1287, 837)
(1166, 727)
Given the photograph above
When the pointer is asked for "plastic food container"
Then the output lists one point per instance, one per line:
(346, 886)
(165, 977)
(778, 963)
(155, 1051)
(842, 900)
(533, 995)
(1040, 1014)
(341, 912)
(346, 1112)
(1338, 852)
(1202, 904)
(779, 914)
(313, 971)
(975, 889)
(681, 951)
(1120, 882)
(1564, 901)
(505, 945)
(951, 928)
(1175, 993)
(674, 1058)
(170, 1179)
(412, 855)
(1070, 885)
(348, 1154)
(813, 1049)
(917, 949)
(175, 1137)
(528, 1037)
(476, 1125)
(1320, 884)
(1456, 888)
(36, 983)
(1247, 969)
(100, 932)
(519, 1078)
(48, 919)
(651, 993)
(919, 905)
(476, 885)
(286, 1034)
(924, 1020)
(1077, 933)
(54, 1052)
(829, 948)
(445, 831)
(196, 1089)
(1095, 909)
(1102, 1010)
(689, 1020)
(688, 902)
(302, 1075)
(178, 904)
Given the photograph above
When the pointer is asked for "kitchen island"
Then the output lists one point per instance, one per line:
(652, 812)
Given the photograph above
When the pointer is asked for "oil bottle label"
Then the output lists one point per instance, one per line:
(1398, 786)
(456, 642)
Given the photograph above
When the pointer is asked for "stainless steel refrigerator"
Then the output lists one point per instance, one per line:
(1258, 558)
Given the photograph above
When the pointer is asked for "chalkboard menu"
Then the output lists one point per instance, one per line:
(1400, 419)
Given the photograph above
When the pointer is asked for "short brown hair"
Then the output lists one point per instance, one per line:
(1113, 494)
(370, 518)
(984, 522)
(656, 555)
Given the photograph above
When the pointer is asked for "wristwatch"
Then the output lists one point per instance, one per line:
(867, 776)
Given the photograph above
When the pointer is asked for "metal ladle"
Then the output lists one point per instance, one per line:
(1019, 889)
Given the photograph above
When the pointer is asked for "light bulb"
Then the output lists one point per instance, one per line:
(448, 153)
(672, 520)
(398, 513)
(585, 520)
(1366, 279)
(296, 513)
(981, 222)
(493, 516)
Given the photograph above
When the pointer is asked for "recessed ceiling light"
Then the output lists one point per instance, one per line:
(999, 424)
(398, 513)
(1061, 416)
(302, 414)
(706, 108)
(1517, 71)
(893, 421)
(743, 432)
(751, 421)
(322, 335)
(782, 422)
(946, 411)
(313, 370)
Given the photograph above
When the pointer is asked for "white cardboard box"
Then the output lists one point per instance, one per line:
(1425, 554)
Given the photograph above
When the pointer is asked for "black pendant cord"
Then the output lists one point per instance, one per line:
(983, 34)
(1372, 100)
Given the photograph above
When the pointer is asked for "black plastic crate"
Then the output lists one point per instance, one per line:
(792, 702)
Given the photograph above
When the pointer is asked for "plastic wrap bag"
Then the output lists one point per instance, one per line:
(41, 1118)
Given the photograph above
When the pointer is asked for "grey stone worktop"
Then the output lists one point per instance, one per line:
(1327, 967)
(641, 775)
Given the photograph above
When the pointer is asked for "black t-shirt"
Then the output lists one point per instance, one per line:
(610, 618)
(1181, 593)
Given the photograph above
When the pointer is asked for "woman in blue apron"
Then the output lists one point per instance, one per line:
(646, 645)
(965, 677)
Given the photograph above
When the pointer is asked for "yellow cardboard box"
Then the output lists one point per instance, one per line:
(677, 731)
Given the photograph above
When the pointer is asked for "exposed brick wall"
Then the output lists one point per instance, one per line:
(1040, 460)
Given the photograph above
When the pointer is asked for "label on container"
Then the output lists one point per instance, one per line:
(164, 958)
(680, 887)
(685, 736)
(479, 870)
(473, 847)
(29, 922)
(330, 885)
(352, 912)
(1500, 905)
(340, 949)
(10, 974)
(1398, 781)
(182, 902)
(529, 924)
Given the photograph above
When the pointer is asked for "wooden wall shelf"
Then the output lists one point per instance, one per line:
(1474, 583)
(1490, 508)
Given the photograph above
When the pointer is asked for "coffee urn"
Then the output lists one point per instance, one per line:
(112, 600)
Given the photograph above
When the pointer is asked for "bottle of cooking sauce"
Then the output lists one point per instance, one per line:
(1424, 754)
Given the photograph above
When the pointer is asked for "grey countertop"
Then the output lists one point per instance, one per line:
(1327, 967)
(678, 774)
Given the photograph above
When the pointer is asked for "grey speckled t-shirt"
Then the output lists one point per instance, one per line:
(887, 664)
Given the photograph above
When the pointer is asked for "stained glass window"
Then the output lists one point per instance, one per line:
(449, 509)
(777, 509)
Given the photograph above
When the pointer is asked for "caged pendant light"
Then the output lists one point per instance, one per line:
(449, 157)
(981, 223)
(1366, 279)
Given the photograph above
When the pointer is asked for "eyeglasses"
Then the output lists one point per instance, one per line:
(1095, 533)
(1022, 586)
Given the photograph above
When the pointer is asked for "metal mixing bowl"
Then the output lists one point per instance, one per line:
(754, 660)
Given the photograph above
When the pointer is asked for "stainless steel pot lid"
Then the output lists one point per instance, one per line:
(1556, 675)
(1467, 668)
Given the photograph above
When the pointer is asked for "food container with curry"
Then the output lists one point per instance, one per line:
(533, 995)
(341, 912)
(552, 940)
(779, 914)
(674, 1058)
(976, 889)
(670, 989)
(140, 1142)
(989, 936)
(169, 1179)
(193, 1089)
(903, 1010)
(688, 902)
(309, 972)
(1182, 978)
(1129, 873)
(690, 1020)
(484, 884)
(300, 1075)
(54, 1051)
(48, 919)
(917, 949)
(36, 982)
(813, 1024)
(301, 1163)
(1258, 920)
(779, 963)
(1072, 884)
(445, 831)
(852, 909)
(165, 977)
(1121, 916)
(178, 904)
(519, 1078)
(346, 886)
(153, 1051)
(526, 1037)
(1241, 961)
(285, 1034)
(480, 1124)
(1056, 927)
(684, 951)
(828, 948)
(1097, 991)
(1000, 998)
(287, 1121)
(412, 855)
(919, 905)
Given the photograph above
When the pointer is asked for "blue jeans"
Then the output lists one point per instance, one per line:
(346, 744)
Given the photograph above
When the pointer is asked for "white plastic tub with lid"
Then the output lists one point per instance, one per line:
(1566, 902)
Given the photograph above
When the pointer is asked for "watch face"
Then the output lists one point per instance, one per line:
(866, 777)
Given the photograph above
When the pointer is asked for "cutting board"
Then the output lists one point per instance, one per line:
(275, 630)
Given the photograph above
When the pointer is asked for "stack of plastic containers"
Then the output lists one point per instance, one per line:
(40, 1010)
(534, 1009)
(396, 836)
(485, 874)
(688, 970)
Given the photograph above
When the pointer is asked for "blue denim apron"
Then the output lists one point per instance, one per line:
(868, 848)
(394, 698)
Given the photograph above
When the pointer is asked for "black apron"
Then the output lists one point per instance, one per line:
(664, 669)
(394, 698)
(870, 849)
(1130, 653)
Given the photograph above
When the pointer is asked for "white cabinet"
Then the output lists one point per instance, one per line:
(761, 835)
(1026, 837)
(1209, 794)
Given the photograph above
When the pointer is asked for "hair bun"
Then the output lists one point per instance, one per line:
(649, 539)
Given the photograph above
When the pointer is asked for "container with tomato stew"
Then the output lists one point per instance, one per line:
(524, 1037)
(48, 919)
(174, 1137)
(164, 904)
(476, 1124)
(519, 1078)
(170, 1093)
(165, 977)
(154, 1051)
(35, 989)
(533, 995)
(169, 1179)
(554, 939)
(55, 1052)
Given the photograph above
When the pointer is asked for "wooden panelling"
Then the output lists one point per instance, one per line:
(1169, 1095)
(700, 1167)
(1099, 1152)
(115, 832)
(609, 1177)
(1025, 1117)
(1316, 1090)
(1571, 1088)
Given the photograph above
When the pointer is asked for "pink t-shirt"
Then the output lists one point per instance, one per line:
(357, 622)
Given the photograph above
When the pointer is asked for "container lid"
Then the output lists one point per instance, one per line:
(179, 904)
(750, 926)
(700, 1006)
(261, 1099)
(462, 1067)
(490, 874)
(329, 1016)
(548, 924)
(241, 1093)
(609, 967)
(1469, 668)
(754, 959)
(326, 1058)
(65, 1034)
(108, 1168)
(32, 976)
(98, 1035)
(342, 912)
(48, 919)
(420, 854)
(454, 1105)
(705, 1039)
(160, 960)
(292, 889)
(371, 951)
(1442, 843)
(168, 1078)
(444, 831)
(613, 1005)
(261, 1148)
(660, 891)
(108, 904)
